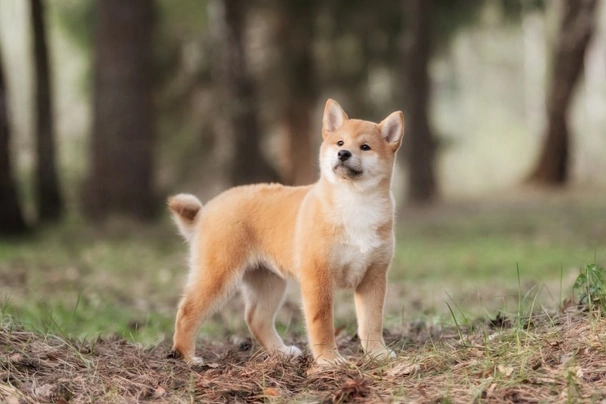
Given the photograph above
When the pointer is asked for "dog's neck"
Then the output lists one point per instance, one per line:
(343, 193)
(360, 213)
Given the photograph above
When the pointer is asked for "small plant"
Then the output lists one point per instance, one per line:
(590, 287)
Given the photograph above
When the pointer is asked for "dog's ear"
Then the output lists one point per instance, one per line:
(334, 117)
(392, 129)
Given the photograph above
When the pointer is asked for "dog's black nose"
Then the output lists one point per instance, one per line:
(344, 155)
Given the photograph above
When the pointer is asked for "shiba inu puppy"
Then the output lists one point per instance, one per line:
(336, 233)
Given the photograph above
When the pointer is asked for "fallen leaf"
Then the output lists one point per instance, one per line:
(159, 392)
(271, 392)
(476, 352)
(545, 380)
(45, 391)
(579, 373)
(566, 357)
(352, 390)
(506, 370)
(403, 369)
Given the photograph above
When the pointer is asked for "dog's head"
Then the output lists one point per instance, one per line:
(356, 151)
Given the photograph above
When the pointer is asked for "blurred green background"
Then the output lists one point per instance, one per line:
(110, 106)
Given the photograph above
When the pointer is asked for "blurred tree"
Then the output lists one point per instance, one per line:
(121, 173)
(576, 28)
(356, 43)
(295, 39)
(11, 219)
(421, 144)
(49, 203)
(184, 99)
(429, 26)
(237, 93)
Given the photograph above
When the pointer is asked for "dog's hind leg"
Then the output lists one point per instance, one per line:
(263, 292)
(210, 285)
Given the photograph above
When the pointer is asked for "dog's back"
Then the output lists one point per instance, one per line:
(253, 224)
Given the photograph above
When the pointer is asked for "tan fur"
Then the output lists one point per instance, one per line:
(185, 208)
(335, 233)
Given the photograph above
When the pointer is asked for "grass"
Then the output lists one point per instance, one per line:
(559, 357)
(82, 282)
(590, 286)
(479, 309)
(459, 250)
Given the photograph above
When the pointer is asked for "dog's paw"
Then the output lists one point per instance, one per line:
(326, 365)
(174, 354)
(192, 360)
(383, 354)
(195, 361)
(291, 351)
(330, 361)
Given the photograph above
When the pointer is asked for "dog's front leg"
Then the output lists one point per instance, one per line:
(317, 291)
(370, 298)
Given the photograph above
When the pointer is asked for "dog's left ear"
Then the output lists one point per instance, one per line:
(392, 129)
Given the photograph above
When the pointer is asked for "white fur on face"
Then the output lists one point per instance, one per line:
(328, 158)
(373, 168)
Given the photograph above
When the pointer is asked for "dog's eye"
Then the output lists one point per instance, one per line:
(365, 147)
(340, 143)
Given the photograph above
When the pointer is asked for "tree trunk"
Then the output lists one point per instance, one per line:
(237, 94)
(11, 219)
(294, 36)
(421, 146)
(121, 177)
(576, 28)
(49, 204)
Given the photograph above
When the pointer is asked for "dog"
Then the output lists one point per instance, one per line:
(336, 233)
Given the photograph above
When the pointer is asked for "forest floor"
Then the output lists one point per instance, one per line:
(480, 309)
(558, 358)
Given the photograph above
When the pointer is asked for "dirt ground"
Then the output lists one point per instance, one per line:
(561, 357)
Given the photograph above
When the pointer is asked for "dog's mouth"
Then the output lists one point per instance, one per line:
(346, 171)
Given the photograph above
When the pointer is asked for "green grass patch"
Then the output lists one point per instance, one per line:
(590, 286)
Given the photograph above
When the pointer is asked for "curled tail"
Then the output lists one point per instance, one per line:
(185, 209)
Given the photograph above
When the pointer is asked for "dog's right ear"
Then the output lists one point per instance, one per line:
(334, 117)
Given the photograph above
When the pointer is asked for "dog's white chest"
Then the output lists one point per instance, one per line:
(360, 217)
(350, 265)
